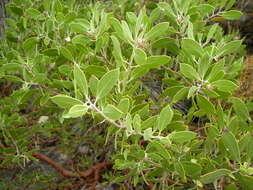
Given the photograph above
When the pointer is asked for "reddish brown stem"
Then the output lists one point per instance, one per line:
(66, 173)
(56, 166)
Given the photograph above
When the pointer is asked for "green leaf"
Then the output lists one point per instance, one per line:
(165, 118)
(169, 43)
(232, 15)
(124, 105)
(75, 111)
(30, 44)
(128, 123)
(204, 65)
(140, 56)
(147, 135)
(93, 83)
(230, 47)
(213, 176)
(182, 136)
(156, 61)
(181, 94)
(249, 149)
(80, 40)
(131, 17)
(117, 27)
(220, 116)
(216, 69)
(244, 142)
(211, 32)
(11, 67)
(157, 147)
(245, 180)
(177, 126)
(149, 123)
(106, 83)
(69, 17)
(231, 145)
(206, 105)
(80, 27)
(126, 31)
(138, 72)
(95, 70)
(171, 91)
(179, 169)
(13, 78)
(34, 13)
(80, 79)
(154, 15)
(137, 152)
(117, 50)
(66, 53)
(15, 9)
(224, 85)
(189, 72)
(112, 112)
(192, 170)
(230, 4)
(123, 164)
(240, 108)
(159, 30)
(137, 124)
(50, 52)
(192, 47)
(192, 91)
(167, 9)
(65, 101)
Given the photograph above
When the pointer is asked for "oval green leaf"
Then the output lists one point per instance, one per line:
(76, 111)
(65, 101)
(213, 176)
(80, 79)
(106, 83)
(231, 145)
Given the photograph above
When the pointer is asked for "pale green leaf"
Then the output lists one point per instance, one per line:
(66, 53)
(192, 47)
(155, 146)
(189, 72)
(232, 14)
(140, 56)
(124, 105)
(206, 105)
(165, 118)
(106, 83)
(192, 91)
(75, 111)
(240, 108)
(156, 61)
(117, 27)
(231, 145)
(182, 136)
(224, 85)
(117, 50)
(80, 80)
(112, 112)
(159, 30)
(126, 31)
(230, 47)
(65, 101)
(213, 176)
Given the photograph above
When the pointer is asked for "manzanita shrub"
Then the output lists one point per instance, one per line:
(160, 76)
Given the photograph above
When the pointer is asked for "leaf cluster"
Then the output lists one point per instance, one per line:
(132, 71)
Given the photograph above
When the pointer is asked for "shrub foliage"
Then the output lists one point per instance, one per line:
(160, 79)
